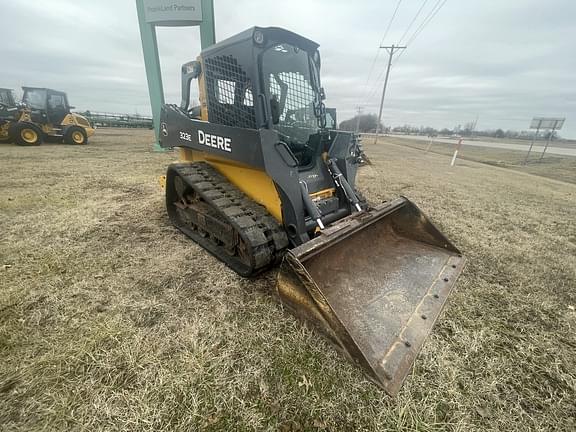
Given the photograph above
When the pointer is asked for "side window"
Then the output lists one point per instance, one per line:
(228, 92)
(248, 98)
(56, 101)
(225, 91)
(330, 119)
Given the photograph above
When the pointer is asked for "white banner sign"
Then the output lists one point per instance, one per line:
(173, 12)
(547, 123)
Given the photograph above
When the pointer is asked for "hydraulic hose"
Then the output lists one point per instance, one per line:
(342, 183)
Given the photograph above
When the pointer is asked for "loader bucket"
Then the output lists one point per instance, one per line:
(374, 283)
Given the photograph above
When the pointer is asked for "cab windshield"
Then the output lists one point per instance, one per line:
(292, 85)
(6, 98)
(35, 98)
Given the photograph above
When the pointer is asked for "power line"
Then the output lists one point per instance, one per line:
(431, 14)
(374, 89)
(425, 23)
(390, 22)
(413, 20)
(439, 4)
(381, 42)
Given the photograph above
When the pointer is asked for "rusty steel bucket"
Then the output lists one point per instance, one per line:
(374, 283)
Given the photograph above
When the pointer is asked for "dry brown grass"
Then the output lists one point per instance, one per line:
(111, 320)
(552, 166)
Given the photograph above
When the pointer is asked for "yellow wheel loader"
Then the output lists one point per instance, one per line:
(261, 182)
(45, 114)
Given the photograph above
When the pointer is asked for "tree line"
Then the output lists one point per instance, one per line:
(366, 123)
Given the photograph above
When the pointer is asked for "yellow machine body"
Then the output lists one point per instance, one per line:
(71, 119)
(255, 183)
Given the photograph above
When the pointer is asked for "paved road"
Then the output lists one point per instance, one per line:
(537, 149)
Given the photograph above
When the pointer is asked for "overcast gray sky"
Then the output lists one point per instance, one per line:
(504, 61)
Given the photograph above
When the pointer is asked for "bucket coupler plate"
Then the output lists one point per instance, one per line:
(374, 283)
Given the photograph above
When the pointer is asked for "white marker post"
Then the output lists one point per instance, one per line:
(456, 151)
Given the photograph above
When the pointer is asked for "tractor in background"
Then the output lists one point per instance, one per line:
(44, 114)
(8, 112)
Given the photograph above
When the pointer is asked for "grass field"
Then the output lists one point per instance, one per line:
(556, 167)
(110, 319)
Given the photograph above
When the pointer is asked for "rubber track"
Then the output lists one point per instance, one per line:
(265, 237)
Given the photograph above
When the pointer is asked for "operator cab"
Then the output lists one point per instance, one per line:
(46, 105)
(269, 78)
(264, 78)
(6, 98)
(7, 104)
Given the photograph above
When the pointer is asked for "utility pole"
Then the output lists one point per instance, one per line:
(359, 110)
(391, 50)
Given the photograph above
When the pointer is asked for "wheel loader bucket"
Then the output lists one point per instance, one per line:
(374, 283)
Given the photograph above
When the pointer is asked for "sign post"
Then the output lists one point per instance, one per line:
(550, 138)
(534, 137)
(549, 123)
(169, 13)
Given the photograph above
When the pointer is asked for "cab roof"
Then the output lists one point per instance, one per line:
(271, 35)
(43, 88)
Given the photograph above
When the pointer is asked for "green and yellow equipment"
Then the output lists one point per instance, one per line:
(262, 182)
(44, 114)
(8, 112)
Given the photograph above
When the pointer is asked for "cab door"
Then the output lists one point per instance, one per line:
(57, 107)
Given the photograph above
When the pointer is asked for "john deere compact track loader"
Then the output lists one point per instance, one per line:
(262, 182)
